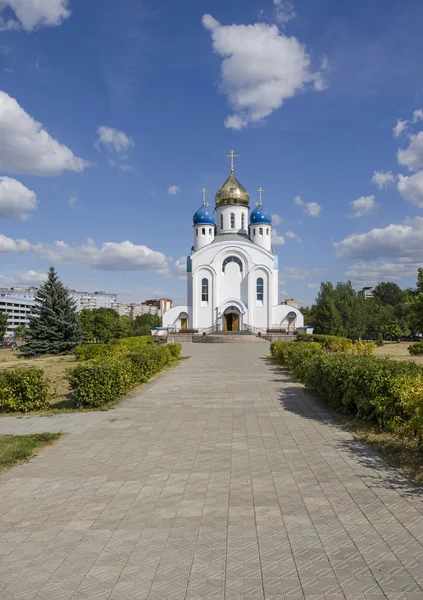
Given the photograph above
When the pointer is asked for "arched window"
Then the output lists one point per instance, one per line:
(221, 221)
(234, 259)
(197, 232)
(232, 220)
(260, 289)
(242, 221)
(254, 231)
(211, 230)
(261, 231)
(203, 231)
(267, 231)
(204, 290)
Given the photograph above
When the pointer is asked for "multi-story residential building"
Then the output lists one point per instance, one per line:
(90, 300)
(135, 309)
(366, 292)
(162, 305)
(18, 310)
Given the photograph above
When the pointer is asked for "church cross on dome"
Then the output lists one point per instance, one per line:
(203, 191)
(260, 191)
(232, 156)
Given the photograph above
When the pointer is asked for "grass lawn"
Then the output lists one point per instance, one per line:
(54, 368)
(397, 352)
(15, 449)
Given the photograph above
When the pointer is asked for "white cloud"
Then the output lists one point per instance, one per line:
(401, 126)
(9, 245)
(298, 273)
(411, 188)
(310, 208)
(362, 206)
(277, 220)
(73, 201)
(34, 13)
(313, 286)
(27, 148)
(394, 241)
(15, 199)
(412, 157)
(24, 279)
(261, 68)
(173, 190)
(283, 11)
(125, 168)
(370, 273)
(114, 141)
(418, 115)
(277, 239)
(180, 267)
(382, 179)
(293, 236)
(110, 256)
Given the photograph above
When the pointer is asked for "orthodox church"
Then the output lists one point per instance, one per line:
(232, 272)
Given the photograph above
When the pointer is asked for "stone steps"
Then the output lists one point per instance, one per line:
(227, 338)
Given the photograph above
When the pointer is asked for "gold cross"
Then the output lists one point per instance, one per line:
(204, 197)
(260, 191)
(232, 156)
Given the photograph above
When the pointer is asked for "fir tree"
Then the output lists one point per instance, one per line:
(53, 327)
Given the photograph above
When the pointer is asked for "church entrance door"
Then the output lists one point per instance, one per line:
(231, 321)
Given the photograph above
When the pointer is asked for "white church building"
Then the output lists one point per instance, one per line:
(232, 272)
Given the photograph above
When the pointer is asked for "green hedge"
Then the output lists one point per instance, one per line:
(387, 392)
(339, 344)
(101, 381)
(316, 337)
(416, 349)
(115, 348)
(24, 389)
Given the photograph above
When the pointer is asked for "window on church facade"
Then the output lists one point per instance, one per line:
(197, 232)
(260, 289)
(210, 231)
(242, 221)
(221, 221)
(232, 221)
(204, 290)
(234, 259)
(267, 231)
(203, 231)
(261, 231)
(254, 231)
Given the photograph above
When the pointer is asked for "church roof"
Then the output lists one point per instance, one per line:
(260, 215)
(203, 216)
(232, 192)
(232, 237)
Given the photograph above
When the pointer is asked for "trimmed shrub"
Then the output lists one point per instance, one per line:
(115, 348)
(384, 391)
(24, 389)
(102, 380)
(338, 344)
(416, 349)
(316, 337)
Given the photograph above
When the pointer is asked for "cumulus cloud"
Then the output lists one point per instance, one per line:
(370, 273)
(298, 273)
(16, 200)
(293, 236)
(401, 126)
(110, 256)
(173, 190)
(73, 201)
(418, 115)
(394, 241)
(412, 157)
(10, 245)
(411, 188)
(277, 239)
(313, 286)
(180, 267)
(261, 69)
(382, 179)
(362, 206)
(277, 220)
(113, 140)
(284, 11)
(27, 279)
(310, 208)
(26, 147)
(34, 13)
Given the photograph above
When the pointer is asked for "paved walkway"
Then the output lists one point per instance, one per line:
(221, 480)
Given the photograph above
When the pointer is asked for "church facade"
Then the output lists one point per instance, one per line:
(232, 271)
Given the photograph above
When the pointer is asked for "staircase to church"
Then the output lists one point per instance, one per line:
(227, 337)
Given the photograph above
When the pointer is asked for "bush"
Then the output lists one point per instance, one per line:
(116, 348)
(316, 337)
(416, 349)
(23, 390)
(387, 392)
(103, 379)
(338, 344)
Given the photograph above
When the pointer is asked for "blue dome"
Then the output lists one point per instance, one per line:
(203, 215)
(260, 215)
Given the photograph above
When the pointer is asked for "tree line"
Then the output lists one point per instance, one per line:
(392, 313)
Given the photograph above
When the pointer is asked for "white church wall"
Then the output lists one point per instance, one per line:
(260, 309)
(172, 317)
(261, 235)
(203, 307)
(225, 222)
(280, 314)
(203, 235)
(231, 281)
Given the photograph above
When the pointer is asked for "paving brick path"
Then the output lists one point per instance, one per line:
(221, 480)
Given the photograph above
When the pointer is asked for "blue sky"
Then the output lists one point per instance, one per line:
(107, 108)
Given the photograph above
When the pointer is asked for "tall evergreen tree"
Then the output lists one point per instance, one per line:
(53, 327)
(327, 319)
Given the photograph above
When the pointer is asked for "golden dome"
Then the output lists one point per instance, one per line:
(232, 192)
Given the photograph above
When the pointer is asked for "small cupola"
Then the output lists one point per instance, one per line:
(204, 224)
(261, 225)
